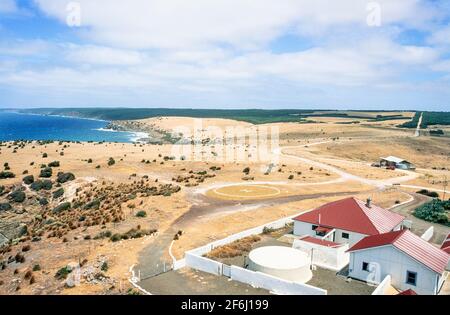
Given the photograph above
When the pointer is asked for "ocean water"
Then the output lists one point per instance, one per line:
(16, 126)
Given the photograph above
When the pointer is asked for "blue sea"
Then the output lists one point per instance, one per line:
(17, 126)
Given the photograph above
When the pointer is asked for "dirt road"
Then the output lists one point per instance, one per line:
(420, 226)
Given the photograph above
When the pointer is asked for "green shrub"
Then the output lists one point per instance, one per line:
(41, 184)
(5, 206)
(45, 155)
(95, 204)
(64, 177)
(62, 273)
(28, 180)
(53, 164)
(104, 267)
(116, 237)
(102, 235)
(36, 267)
(435, 211)
(141, 214)
(111, 161)
(58, 193)
(428, 193)
(46, 172)
(4, 175)
(17, 196)
(62, 207)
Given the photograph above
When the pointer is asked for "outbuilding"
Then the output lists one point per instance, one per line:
(396, 162)
(412, 263)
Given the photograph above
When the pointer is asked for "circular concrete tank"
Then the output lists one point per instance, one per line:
(282, 262)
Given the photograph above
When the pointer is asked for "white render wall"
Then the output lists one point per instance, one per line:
(325, 257)
(273, 284)
(303, 228)
(391, 261)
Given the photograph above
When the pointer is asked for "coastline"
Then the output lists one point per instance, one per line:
(133, 135)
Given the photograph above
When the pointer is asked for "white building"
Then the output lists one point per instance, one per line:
(393, 161)
(347, 221)
(412, 262)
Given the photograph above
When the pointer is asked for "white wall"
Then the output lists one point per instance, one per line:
(428, 234)
(325, 257)
(203, 264)
(303, 228)
(390, 261)
(273, 284)
(383, 286)
(354, 237)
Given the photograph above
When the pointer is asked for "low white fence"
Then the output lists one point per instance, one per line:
(202, 263)
(273, 284)
(383, 286)
(333, 258)
(428, 234)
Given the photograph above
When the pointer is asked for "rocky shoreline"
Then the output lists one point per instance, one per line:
(155, 136)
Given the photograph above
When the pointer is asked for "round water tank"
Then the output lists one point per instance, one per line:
(282, 262)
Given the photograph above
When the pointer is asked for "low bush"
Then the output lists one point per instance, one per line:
(46, 172)
(41, 185)
(53, 164)
(234, 249)
(62, 207)
(141, 214)
(6, 174)
(64, 177)
(28, 180)
(111, 161)
(62, 273)
(428, 193)
(435, 211)
(5, 206)
(58, 193)
(17, 196)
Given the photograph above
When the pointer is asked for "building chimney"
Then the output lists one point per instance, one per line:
(369, 201)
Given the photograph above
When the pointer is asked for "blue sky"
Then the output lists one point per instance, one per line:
(347, 54)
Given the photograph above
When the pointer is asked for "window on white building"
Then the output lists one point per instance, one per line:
(345, 235)
(365, 266)
(411, 277)
(314, 227)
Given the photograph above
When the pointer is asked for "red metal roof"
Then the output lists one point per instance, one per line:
(446, 244)
(353, 215)
(410, 244)
(408, 292)
(318, 241)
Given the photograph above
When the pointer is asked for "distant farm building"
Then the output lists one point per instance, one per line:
(413, 263)
(395, 162)
(347, 221)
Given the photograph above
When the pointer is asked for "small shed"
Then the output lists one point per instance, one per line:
(393, 161)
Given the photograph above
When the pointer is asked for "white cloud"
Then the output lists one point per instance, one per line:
(96, 55)
(441, 36)
(241, 23)
(23, 47)
(8, 6)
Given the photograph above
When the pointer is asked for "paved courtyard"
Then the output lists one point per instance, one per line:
(187, 281)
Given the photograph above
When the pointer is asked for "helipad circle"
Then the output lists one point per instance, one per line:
(247, 191)
(283, 262)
